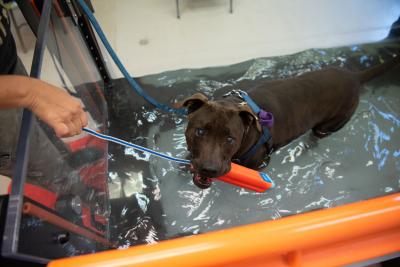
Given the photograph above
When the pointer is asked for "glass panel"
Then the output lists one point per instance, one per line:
(65, 209)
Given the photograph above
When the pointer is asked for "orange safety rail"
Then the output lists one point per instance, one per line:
(329, 237)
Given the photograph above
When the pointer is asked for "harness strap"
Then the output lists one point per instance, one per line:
(264, 138)
(266, 119)
(254, 107)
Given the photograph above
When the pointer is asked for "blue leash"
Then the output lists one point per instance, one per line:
(134, 86)
(137, 147)
(155, 153)
(121, 67)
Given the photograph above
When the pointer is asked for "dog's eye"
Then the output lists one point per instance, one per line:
(200, 131)
(230, 140)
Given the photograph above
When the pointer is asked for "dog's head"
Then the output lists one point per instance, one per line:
(215, 132)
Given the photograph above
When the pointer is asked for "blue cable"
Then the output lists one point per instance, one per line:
(121, 67)
(137, 147)
(135, 86)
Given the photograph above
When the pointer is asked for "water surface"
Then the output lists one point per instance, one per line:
(154, 199)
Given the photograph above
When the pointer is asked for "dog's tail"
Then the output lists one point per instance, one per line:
(369, 74)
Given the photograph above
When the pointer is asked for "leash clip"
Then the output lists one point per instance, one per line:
(236, 92)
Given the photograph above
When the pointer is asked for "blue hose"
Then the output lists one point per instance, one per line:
(135, 86)
(137, 147)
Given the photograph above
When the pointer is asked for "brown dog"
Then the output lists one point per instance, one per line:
(221, 130)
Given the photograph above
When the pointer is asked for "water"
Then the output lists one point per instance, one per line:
(154, 199)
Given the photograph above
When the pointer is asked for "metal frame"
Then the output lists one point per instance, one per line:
(81, 20)
(41, 27)
(14, 208)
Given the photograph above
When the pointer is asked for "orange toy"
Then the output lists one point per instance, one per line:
(247, 178)
(239, 176)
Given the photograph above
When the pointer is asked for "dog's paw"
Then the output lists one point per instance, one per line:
(312, 141)
(264, 163)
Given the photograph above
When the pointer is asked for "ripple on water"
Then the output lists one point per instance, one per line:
(358, 162)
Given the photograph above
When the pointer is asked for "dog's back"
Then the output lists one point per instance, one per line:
(322, 100)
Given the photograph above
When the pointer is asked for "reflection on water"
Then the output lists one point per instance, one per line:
(155, 199)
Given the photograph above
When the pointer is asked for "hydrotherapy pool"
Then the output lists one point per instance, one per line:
(153, 199)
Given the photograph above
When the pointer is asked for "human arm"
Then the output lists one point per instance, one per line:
(51, 104)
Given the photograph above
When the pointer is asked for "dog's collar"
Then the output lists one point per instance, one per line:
(266, 120)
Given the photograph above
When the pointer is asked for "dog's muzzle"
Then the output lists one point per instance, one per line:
(199, 181)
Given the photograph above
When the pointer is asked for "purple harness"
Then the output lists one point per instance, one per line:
(266, 118)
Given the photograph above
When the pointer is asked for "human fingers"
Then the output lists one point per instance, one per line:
(61, 129)
(77, 124)
(63, 122)
(73, 129)
(84, 118)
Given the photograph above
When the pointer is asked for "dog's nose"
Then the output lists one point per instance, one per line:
(209, 171)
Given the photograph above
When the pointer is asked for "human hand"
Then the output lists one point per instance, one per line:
(61, 111)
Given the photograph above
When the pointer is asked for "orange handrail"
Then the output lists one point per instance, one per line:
(320, 238)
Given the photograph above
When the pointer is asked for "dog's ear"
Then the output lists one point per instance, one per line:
(248, 116)
(193, 103)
